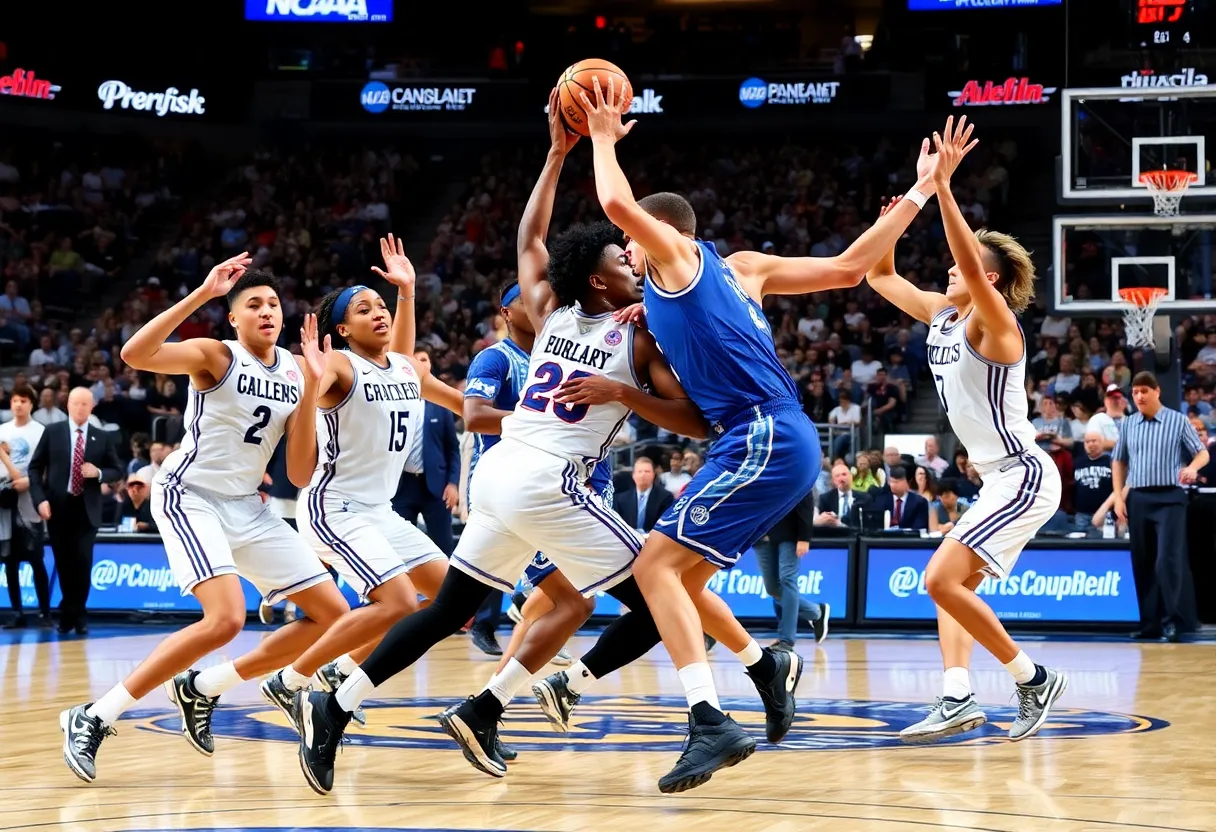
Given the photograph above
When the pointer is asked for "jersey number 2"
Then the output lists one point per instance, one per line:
(550, 376)
(262, 414)
(398, 427)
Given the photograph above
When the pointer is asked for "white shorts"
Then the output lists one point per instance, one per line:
(207, 535)
(367, 544)
(526, 500)
(1017, 498)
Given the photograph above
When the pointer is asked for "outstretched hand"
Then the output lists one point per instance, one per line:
(951, 146)
(315, 356)
(223, 276)
(562, 140)
(605, 113)
(398, 270)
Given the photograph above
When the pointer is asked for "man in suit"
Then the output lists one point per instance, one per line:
(72, 460)
(429, 484)
(839, 507)
(642, 505)
(908, 509)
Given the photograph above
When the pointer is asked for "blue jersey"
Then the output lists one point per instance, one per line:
(717, 341)
(600, 480)
(497, 373)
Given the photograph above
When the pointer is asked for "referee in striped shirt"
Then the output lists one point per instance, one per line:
(1148, 460)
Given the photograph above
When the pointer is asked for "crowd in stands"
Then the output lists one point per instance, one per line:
(314, 217)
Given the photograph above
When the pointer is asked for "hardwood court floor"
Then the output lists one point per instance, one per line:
(1132, 748)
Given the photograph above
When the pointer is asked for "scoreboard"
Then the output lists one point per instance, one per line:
(1171, 24)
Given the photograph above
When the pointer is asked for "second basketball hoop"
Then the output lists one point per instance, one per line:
(1167, 188)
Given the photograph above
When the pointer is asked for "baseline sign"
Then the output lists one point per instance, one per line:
(320, 11)
(823, 576)
(1047, 585)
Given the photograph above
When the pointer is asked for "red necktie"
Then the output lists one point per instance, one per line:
(77, 487)
(895, 517)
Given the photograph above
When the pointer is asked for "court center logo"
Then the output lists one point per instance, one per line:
(653, 723)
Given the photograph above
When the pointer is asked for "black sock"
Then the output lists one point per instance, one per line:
(455, 603)
(1040, 676)
(627, 638)
(707, 714)
(336, 712)
(766, 668)
(487, 707)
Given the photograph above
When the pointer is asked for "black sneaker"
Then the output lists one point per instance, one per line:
(820, 624)
(322, 723)
(475, 737)
(194, 709)
(707, 749)
(18, 622)
(276, 693)
(782, 645)
(506, 752)
(778, 694)
(556, 700)
(330, 679)
(486, 641)
(82, 736)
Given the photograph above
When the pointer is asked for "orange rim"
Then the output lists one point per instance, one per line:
(1168, 180)
(1142, 296)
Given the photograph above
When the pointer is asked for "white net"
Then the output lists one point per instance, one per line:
(1167, 189)
(1138, 319)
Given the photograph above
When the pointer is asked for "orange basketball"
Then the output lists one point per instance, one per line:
(579, 78)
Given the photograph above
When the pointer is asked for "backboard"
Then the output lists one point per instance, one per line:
(1096, 256)
(1111, 135)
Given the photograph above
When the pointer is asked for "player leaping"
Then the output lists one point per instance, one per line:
(977, 353)
(706, 315)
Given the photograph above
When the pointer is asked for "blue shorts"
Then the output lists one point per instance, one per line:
(756, 473)
(539, 569)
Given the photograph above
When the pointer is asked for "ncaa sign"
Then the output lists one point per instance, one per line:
(324, 11)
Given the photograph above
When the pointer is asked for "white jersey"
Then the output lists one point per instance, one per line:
(233, 427)
(21, 443)
(573, 344)
(365, 439)
(985, 401)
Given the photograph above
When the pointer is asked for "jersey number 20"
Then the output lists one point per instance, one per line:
(549, 376)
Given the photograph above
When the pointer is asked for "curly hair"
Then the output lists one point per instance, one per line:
(1012, 262)
(251, 280)
(326, 325)
(575, 255)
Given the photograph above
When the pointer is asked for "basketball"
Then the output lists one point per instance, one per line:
(579, 78)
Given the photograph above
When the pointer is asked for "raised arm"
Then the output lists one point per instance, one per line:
(434, 390)
(318, 366)
(764, 274)
(399, 271)
(664, 245)
(205, 360)
(674, 411)
(531, 251)
(921, 305)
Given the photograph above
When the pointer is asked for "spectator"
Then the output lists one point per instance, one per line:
(926, 483)
(957, 469)
(885, 400)
(864, 478)
(816, 403)
(135, 504)
(1092, 499)
(838, 507)
(969, 487)
(1078, 425)
(1068, 379)
(865, 369)
(1106, 424)
(21, 538)
(675, 478)
(643, 505)
(48, 412)
(907, 509)
(846, 414)
(890, 458)
(1052, 431)
(1118, 373)
(157, 451)
(930, 458)
(945, 511)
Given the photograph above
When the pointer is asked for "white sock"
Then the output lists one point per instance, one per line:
(493, 680)
(345, 664)
(1021, 667)
(956, 683)
(110, 706)
(513, 677)
(214, 681)
(295, 680)
(698, 681)
(750, 654)
(354, 690)
(579, 678)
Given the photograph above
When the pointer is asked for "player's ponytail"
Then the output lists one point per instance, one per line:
(326, 325)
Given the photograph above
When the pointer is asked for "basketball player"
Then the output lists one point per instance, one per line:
(977, 353)
(244, 395)
(529, 492)
(369, 423)
(706, 315)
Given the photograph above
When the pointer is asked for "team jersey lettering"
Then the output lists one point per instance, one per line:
(406, 391)
(261, 388)
(578, 353)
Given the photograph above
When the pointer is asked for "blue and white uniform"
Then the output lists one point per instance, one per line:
(530, 490)
(766, 455)
(205, 497)
(986, 404)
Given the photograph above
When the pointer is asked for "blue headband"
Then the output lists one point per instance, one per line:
(511, 296)
(343, 301)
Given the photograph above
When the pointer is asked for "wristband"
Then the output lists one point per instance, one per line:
(916, 197)
(403, 297)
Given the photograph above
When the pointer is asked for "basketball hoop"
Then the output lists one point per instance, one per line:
(1138, 316)
(1167, 188)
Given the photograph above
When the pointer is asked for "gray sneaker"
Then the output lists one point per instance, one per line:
(947, 718)
(330, 679)
(564, 658)
(1034, 704)
(277, 694)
